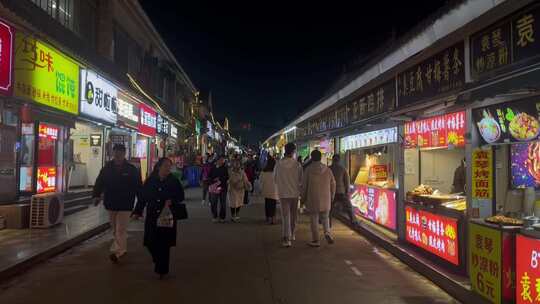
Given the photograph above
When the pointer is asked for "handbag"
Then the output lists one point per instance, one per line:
(215, 188)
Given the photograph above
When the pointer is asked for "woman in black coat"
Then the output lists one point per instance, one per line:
(160, 189)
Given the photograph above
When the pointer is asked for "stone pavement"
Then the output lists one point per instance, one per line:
(227, 263)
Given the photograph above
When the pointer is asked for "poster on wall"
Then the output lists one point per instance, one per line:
(98, 97)
(7, 35)
(46, 179)
(147, 121)
(485, 261)
(482, 182)
(434, 233)
(45, 75)
(375, 204)
(525, 160)
(516, 121)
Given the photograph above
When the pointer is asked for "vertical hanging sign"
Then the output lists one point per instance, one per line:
(482, 182)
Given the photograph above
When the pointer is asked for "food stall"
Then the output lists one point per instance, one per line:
(507, 139)
(434, 183)
(371, 159)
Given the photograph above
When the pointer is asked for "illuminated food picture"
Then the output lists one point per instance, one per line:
(381, 214)
(524, 127)
(360, 201)
(533, 161)
(489, 128)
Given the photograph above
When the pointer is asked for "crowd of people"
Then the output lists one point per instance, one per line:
(227, 183)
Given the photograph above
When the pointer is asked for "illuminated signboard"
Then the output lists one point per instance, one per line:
(527, 269)
(209, 130)
(47, 131)
(174, 131)
(98, 97)
(436, 132)
(147, 120)
(162, 125)
(434, 233)
(45, 75)
(46, 179)
(128, 111)
(375, 204)
(368, 139)
(7, 34)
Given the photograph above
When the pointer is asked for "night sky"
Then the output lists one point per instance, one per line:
(266, 62)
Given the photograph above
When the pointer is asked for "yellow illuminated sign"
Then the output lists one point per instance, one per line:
(45, 75)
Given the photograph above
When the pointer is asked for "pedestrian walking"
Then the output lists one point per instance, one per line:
(119, 182)
(288, 179)
(205, 175)
(269, 191)
(249, 170)
(161, 193)
(342, 189)
(239, 186)
(318, 191)
(219, 177)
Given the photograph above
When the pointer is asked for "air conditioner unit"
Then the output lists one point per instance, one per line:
(46, 210)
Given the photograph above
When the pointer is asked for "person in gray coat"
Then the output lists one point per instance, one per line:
(342, 189)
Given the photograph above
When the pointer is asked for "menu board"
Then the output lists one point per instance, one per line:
(516, 121)
(434, 233)
(485, 263)
(527, 269)
(368, 139)
(436, 132)
(375, 204)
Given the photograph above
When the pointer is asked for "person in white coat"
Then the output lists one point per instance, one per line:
(288, 178)
(238, 186)
(318, 191)
(269, 190)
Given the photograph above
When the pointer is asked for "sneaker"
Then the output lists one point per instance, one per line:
(314, 244)
(237, 218)
(286, 244)
(214, 220)
(329, 238)
(233, 219)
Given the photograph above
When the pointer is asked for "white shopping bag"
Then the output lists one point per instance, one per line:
(165, 218)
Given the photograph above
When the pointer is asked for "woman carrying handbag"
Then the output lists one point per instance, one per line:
(162, 196)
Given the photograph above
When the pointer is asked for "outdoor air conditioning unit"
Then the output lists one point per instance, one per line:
(46, 210)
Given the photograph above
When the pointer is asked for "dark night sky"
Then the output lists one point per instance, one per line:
(266, 62)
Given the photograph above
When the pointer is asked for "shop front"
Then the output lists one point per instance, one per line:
(372, 158)
(435, 187)
(50, 80)
(99, 108)
(145, 146)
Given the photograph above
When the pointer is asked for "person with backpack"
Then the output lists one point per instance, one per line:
(239, 186)
(288, 179)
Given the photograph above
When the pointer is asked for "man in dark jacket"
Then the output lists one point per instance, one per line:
(342, 188)
(119, 182)
(220, 172)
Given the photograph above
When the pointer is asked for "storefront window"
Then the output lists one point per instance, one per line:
(27, 157)
(87, 155)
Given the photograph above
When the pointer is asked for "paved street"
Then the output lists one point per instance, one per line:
(227, 263)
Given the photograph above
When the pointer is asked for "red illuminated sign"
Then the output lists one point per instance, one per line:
(375, 204)
(435, 233)
(527, 269)
(7, 33)
(438, 131)
(47, 131)
(46, 179)
(147, 121)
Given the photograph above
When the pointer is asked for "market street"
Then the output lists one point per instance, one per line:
(227, 263)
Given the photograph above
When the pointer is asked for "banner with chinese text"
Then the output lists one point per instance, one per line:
(485, 266)
(527, 270)
(45, 75)
(482, 182)
(436, 132)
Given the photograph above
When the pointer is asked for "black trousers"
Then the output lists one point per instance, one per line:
(222, 200)
(246, 197)
(235, 211)
(161, 257)
(346, 205)
(270, 207)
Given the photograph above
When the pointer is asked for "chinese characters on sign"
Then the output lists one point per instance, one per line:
(162, 125)
(46, 179)
(368, 139)
(7, 34)
(128, 110)
(46, 131)
(527, 270)
(439, 74)
(45, 75)
(147, 121)
(524, 31)
(174, 131)
(485, 260)
(482, 182)
(375, 204)
(98, 97)
(438, 131)
(435, 233)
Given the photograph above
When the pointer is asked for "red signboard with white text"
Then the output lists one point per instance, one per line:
(7, 34)
(147, 120)
(435, 132)
(434, 233)
(46, 179)
(527, 269)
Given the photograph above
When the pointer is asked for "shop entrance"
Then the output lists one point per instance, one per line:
(87, 155)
